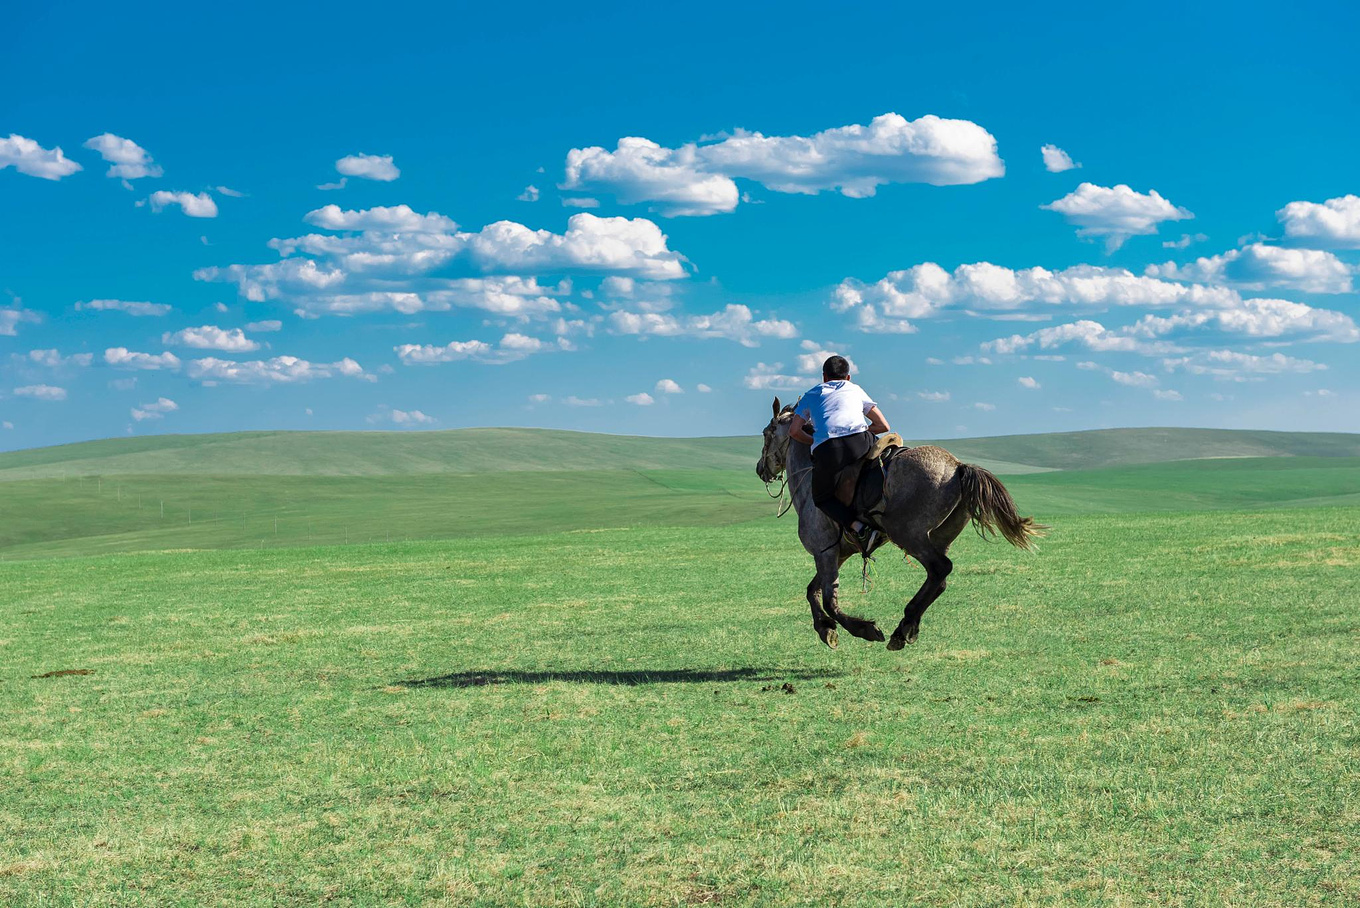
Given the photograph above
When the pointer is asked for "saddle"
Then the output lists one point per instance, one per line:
(860, 485)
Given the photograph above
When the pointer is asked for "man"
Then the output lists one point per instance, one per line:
(844, 421)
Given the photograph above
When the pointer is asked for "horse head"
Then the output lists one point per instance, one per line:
(774, 453)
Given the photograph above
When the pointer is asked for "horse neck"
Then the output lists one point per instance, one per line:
(798, 469)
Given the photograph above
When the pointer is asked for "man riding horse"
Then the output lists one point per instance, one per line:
(843, 421)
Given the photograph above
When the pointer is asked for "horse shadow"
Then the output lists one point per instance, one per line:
(629, 678)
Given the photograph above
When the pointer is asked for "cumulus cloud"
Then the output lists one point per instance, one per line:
(128, 160)
(123, 358)
(278, 369)
(195, 206)
(1167, 394)
(702, 388)
(1028, 382)
(154, 410)
(266, 326)
(539, 398)
(772, 377)
(131, 308)
(854, 160)
(642, 399)
(1258, 266)
(935, 397)
(11, 317)
(810, 361)
(1056, 160)
(512, 346)
(385, 260)
(574, 401)
(368, 167)
(923, 291)
(28, 157)
(41, 392)
(735, 322)
(211, 337)
(1185, 241)
(668, 386)
(530, 194)
(1333, 224)
(1231, 365)
(406, 418)
(1115, 213)
(53, 358)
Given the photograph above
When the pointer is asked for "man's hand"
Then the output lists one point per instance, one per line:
(798, 430)
(877, 424)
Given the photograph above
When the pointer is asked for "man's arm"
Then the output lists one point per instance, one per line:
(877, 424)
(798, 430)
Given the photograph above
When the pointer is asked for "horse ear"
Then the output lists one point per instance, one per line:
(776, 406)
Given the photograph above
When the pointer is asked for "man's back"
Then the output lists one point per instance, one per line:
(836, 409)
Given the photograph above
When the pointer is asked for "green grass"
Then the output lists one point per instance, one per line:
(570, 688)
(1157, 708)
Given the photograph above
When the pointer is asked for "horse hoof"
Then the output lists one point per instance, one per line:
(896, 643)
(828, 637)
(877, 635)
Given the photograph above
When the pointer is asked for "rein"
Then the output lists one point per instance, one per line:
(784, 504)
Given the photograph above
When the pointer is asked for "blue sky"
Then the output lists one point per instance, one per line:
(719, 198)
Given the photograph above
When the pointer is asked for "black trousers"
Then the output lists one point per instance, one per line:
(828, 462)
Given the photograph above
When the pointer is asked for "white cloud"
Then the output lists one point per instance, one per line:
(1333, 224)
(985, 407)
(1028, 382)
(338, 184)
(1167, 394)
(53, 358)
(397, 219)
(425, 354)
(1259, 266)
(933, 396)
(1263, 318)
(925, 290)
(1185, 241)
(639, 170)
(211, 337)
(1134, 379)
(1115, 213)
(702, 388)
(6, 425)
(574, 401)
(368, 167)
(513, 346)
(131, 308)
(41, 392)
(633, 247)
(400, 417)
(279, 369)
(266, 326)
(530, 194)
(123, 358)
(668, 386)
(28, 157)
(229, 192)
(854, 160)
(642, 399)
(735, 322)
(155, 410)
(1232, 365)
(195, 206)
(769, 377)
(1056, 160)
(810, 362)
(10, 319)
(580, 202)
(129, 160)
(539, 398)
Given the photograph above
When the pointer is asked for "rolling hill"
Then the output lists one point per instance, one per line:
(283, 489)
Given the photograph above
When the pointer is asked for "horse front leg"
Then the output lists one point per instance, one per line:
(822, 621)
(863, 628)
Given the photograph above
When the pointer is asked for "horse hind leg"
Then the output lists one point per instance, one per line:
(938, 567)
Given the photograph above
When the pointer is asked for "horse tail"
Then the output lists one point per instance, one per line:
(993, 510)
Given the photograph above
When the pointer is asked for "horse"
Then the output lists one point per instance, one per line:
(929, 497)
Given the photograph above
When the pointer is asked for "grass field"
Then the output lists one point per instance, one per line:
(1160, 707)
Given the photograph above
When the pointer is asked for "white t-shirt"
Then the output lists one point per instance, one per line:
(835, 409)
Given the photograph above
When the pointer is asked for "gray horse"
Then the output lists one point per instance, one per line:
(929, 498)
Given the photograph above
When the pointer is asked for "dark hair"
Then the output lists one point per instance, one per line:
(835, 368)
